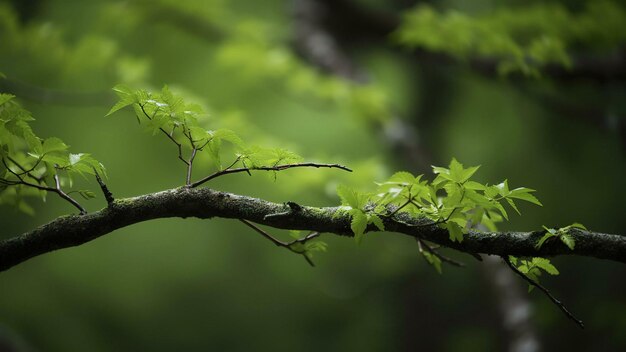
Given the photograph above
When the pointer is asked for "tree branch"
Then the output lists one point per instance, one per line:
(228, 170)
(544, 290)
(425, 246)
(105, 190)
(65, 196)
(56, 189)
(74, 230)
(280, 243)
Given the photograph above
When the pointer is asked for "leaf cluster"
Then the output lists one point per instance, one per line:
(182, 123)
(32, 166)
(521, 39)
(533, 267)
(452, 201)
(306, 247)
(563, 234)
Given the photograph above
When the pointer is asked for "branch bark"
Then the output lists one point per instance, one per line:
(205, 203)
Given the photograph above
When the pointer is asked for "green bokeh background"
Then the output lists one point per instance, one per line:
(193, 284)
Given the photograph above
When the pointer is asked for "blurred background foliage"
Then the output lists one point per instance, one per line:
(531, 90)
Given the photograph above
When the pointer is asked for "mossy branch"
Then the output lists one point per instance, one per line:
(74, 230)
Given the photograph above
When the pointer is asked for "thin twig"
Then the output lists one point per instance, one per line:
(544, 290)
(443, 258)
(27, 172)
(304, 239)
(24, 171)
(280, 243)
(57, 189)
(233, 163)
(168, 135)
(105, 190)
(8, 182)
(265, 168)
(64, 195)
(26, 183)
(400, 207)
(190, 165)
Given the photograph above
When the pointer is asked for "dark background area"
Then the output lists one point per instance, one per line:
(213, 284)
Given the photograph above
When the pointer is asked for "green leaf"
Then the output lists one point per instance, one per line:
(358, 224)
(489, 223)
(228, 136)
(53, 144)
(568, 240)
(477, 216)
(523, 193)
(402, 177)
(503, 188)
(578, 226)
(469, 172)
(376, 220)
(351, 197)
(75, 158)
(432, 260)
(282, 156)
(61, 160)
(473, 185)
(199, 135)
(491, 191)
(455, 231)
(295, 234)
(459, 174)
(545, 237)
(512, 204)
(501, 209)
(315, 246)
(83, 163)
(545, 265)
(126, 95)
(5, 97)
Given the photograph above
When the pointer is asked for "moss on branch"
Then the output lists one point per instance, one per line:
(204, 203)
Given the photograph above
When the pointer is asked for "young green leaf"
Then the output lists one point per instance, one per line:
(545, 265)
(432, 260)
(53, 144)
(358, 224)
(376, 220)
(228, 136)
(126, 95)
(351, 197)
(455, 231)
(5, 98)
(523, 193)
(568, 240)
